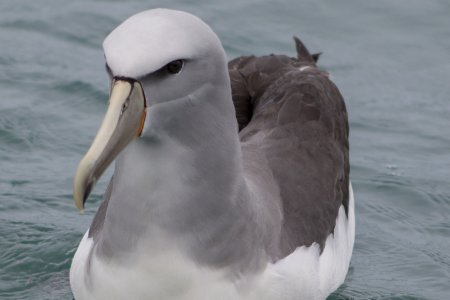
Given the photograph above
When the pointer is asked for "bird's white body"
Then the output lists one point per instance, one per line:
(164, 273)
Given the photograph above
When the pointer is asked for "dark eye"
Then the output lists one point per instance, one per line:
(175, 66)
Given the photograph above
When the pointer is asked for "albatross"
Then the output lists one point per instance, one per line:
(231, 180)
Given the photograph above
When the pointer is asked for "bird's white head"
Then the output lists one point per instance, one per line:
(150, 40)
(154, 58)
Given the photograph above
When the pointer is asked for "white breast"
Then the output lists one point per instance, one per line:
(167, 274)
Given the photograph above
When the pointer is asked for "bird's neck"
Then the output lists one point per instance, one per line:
(184, 182)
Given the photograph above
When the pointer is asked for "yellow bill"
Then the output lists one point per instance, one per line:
(124, 120)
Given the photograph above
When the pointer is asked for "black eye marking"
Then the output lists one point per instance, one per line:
(175, 66)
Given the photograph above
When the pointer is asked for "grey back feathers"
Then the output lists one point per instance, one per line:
(295, 116)
(303, 53)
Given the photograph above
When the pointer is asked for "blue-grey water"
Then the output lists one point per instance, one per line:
(390, 59)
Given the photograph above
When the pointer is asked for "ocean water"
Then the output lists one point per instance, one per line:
(390, 59)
